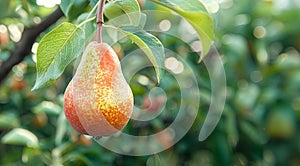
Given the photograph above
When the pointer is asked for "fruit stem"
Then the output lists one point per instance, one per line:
(100, 20)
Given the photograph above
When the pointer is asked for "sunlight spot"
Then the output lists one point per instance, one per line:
(21, 12)
(34, 48)
(3, 29)
(242, 19)
(171, 63)
(165, 25)
(143, 80)
(256, 76)
(48, 4)
(174, 65)
(259, 32)
(213, 7)
(226, 4)
(179, 69)
(197, 46)
(37, 20)
(33, 57)
(15, 33)
(262, 56)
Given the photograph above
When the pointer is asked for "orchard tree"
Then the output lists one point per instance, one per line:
(98, 100)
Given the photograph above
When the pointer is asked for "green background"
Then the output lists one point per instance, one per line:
(259, 42)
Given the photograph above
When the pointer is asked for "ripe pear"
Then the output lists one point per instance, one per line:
(98, 101)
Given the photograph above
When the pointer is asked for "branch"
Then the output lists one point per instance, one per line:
(23, 47)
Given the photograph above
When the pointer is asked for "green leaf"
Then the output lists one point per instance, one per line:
(154, 160)
(48, 108)
(129, 9)
(8, 120)
(61, 128)
(150, 45)
(89, 28)
(163, 159)
(55, 51)
(196, 14)
(253, 134)
(73, 8)
(93, 2)
(65, 7)
(20, 136)
(35, 156)
(78, 158)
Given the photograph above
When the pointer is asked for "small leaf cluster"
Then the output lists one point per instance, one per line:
(66, 42)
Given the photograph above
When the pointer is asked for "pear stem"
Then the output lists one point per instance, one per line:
(100, 20)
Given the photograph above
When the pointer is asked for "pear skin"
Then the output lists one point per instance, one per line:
(98, 101)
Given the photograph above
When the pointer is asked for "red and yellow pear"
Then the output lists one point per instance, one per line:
(98, 101)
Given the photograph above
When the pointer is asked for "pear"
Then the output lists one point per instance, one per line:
(98, 101)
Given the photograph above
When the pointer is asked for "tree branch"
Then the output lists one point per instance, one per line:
(23, 47)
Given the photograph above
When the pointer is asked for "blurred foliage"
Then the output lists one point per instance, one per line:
(259, 41)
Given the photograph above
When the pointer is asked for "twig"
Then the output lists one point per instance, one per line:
(100, 20)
